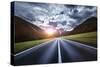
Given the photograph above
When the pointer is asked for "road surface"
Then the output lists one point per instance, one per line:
(56, 51)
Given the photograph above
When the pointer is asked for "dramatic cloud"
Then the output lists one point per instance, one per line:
(60, 16)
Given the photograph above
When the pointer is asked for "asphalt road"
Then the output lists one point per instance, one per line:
(56, 51)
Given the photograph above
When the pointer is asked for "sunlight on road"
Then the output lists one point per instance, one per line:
(57, 50)
(49, 53)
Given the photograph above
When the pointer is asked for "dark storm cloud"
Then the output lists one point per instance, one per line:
(61, 16)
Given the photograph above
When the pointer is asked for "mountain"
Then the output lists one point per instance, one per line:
(87, 26)
(25, 31)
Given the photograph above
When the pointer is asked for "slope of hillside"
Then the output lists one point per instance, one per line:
(87, 26)
(25, 31)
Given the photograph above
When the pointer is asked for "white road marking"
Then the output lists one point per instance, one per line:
(32, 48)
(59, 53)
(81, 44)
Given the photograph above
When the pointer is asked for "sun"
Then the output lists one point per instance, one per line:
(50, 32)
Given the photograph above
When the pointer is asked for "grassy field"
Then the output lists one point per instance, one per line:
(18, 47)
(89, 38)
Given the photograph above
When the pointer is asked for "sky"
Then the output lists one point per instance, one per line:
(58, 16)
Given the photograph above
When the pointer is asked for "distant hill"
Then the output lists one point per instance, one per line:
(25, 31)
(87, 26)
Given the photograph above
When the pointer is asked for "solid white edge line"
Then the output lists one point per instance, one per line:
(31, 48)
(82, 44)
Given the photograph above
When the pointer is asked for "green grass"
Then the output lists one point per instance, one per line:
(90, 37)
(18, 47)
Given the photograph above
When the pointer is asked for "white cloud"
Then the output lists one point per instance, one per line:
(64, 16)
(56, 9)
